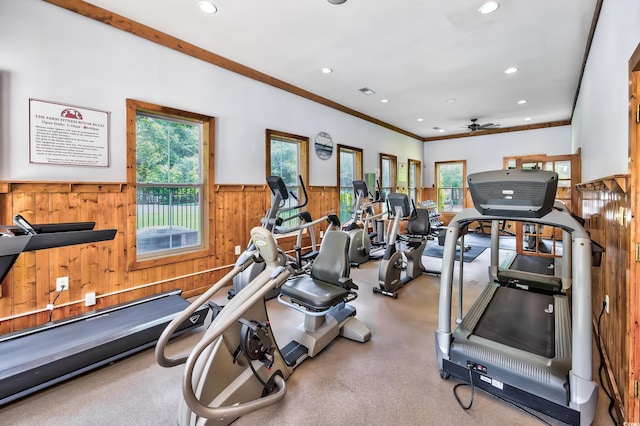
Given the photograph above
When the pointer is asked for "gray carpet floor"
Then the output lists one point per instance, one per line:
(391, 380)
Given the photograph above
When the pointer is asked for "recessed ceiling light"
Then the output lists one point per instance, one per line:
(441, 130)
(527, 119)
(511, 70)
(489, 7)
(420, 119)
(207, 7)
(327, 70)
(384, 101)
(367, 91)
(522, 101)
(452, 100)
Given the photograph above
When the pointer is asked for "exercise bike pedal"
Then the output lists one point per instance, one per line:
(391, 294)
(294, 353)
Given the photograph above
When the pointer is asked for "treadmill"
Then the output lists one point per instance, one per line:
(531, 348)
(42, 356)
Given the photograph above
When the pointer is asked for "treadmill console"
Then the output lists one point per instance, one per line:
(513, 193)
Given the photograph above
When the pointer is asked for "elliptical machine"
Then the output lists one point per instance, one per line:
(360, 246)
(237, 367)
(410, 259)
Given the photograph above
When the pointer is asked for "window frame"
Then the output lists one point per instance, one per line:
(359, 174)
(303, 153)
(416, 189)
(206, 248)
(393, 173)
(463, 188)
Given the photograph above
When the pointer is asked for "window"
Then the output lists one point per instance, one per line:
(388, 173)
(170, 172)
(287, 157)
(349, 169)
(415, 178)
(450, 184)
(567, 167)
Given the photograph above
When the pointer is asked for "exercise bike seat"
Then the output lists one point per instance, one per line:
(328, 283)
(313, 294)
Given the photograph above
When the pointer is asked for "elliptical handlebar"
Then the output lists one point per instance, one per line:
(163, 340)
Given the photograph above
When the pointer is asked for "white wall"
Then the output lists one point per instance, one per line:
(52, 54)
(486, 152)
(600, 122)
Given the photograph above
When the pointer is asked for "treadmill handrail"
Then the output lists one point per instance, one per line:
(554, 218)
(12, 246)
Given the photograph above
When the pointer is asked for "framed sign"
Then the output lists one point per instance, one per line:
(68, 134)
(402, 174)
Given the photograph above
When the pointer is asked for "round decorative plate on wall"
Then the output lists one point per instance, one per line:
(323, 145)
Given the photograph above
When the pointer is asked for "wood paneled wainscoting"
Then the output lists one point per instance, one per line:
(102, 267)
(605, 207)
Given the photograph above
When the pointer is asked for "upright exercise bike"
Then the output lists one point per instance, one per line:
(408, 259)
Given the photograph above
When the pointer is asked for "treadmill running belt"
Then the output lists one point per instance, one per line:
(535, 264)
(520, 319)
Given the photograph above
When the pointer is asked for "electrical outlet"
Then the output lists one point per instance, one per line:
(62, 283)
(238, 249)
(90, 299)
(606, 303)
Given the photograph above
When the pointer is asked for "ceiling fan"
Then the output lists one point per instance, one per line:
(474, 126)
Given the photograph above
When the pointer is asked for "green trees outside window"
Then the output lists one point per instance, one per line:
(450, 177)
(168, 183)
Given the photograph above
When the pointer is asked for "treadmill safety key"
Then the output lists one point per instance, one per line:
(476, 367)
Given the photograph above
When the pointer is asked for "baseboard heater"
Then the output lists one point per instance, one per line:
(39, 357)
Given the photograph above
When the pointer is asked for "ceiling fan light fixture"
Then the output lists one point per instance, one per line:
(336, 1)
(489, 7)
(207, 7)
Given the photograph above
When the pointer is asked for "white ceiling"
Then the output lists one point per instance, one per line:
(418, 54)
